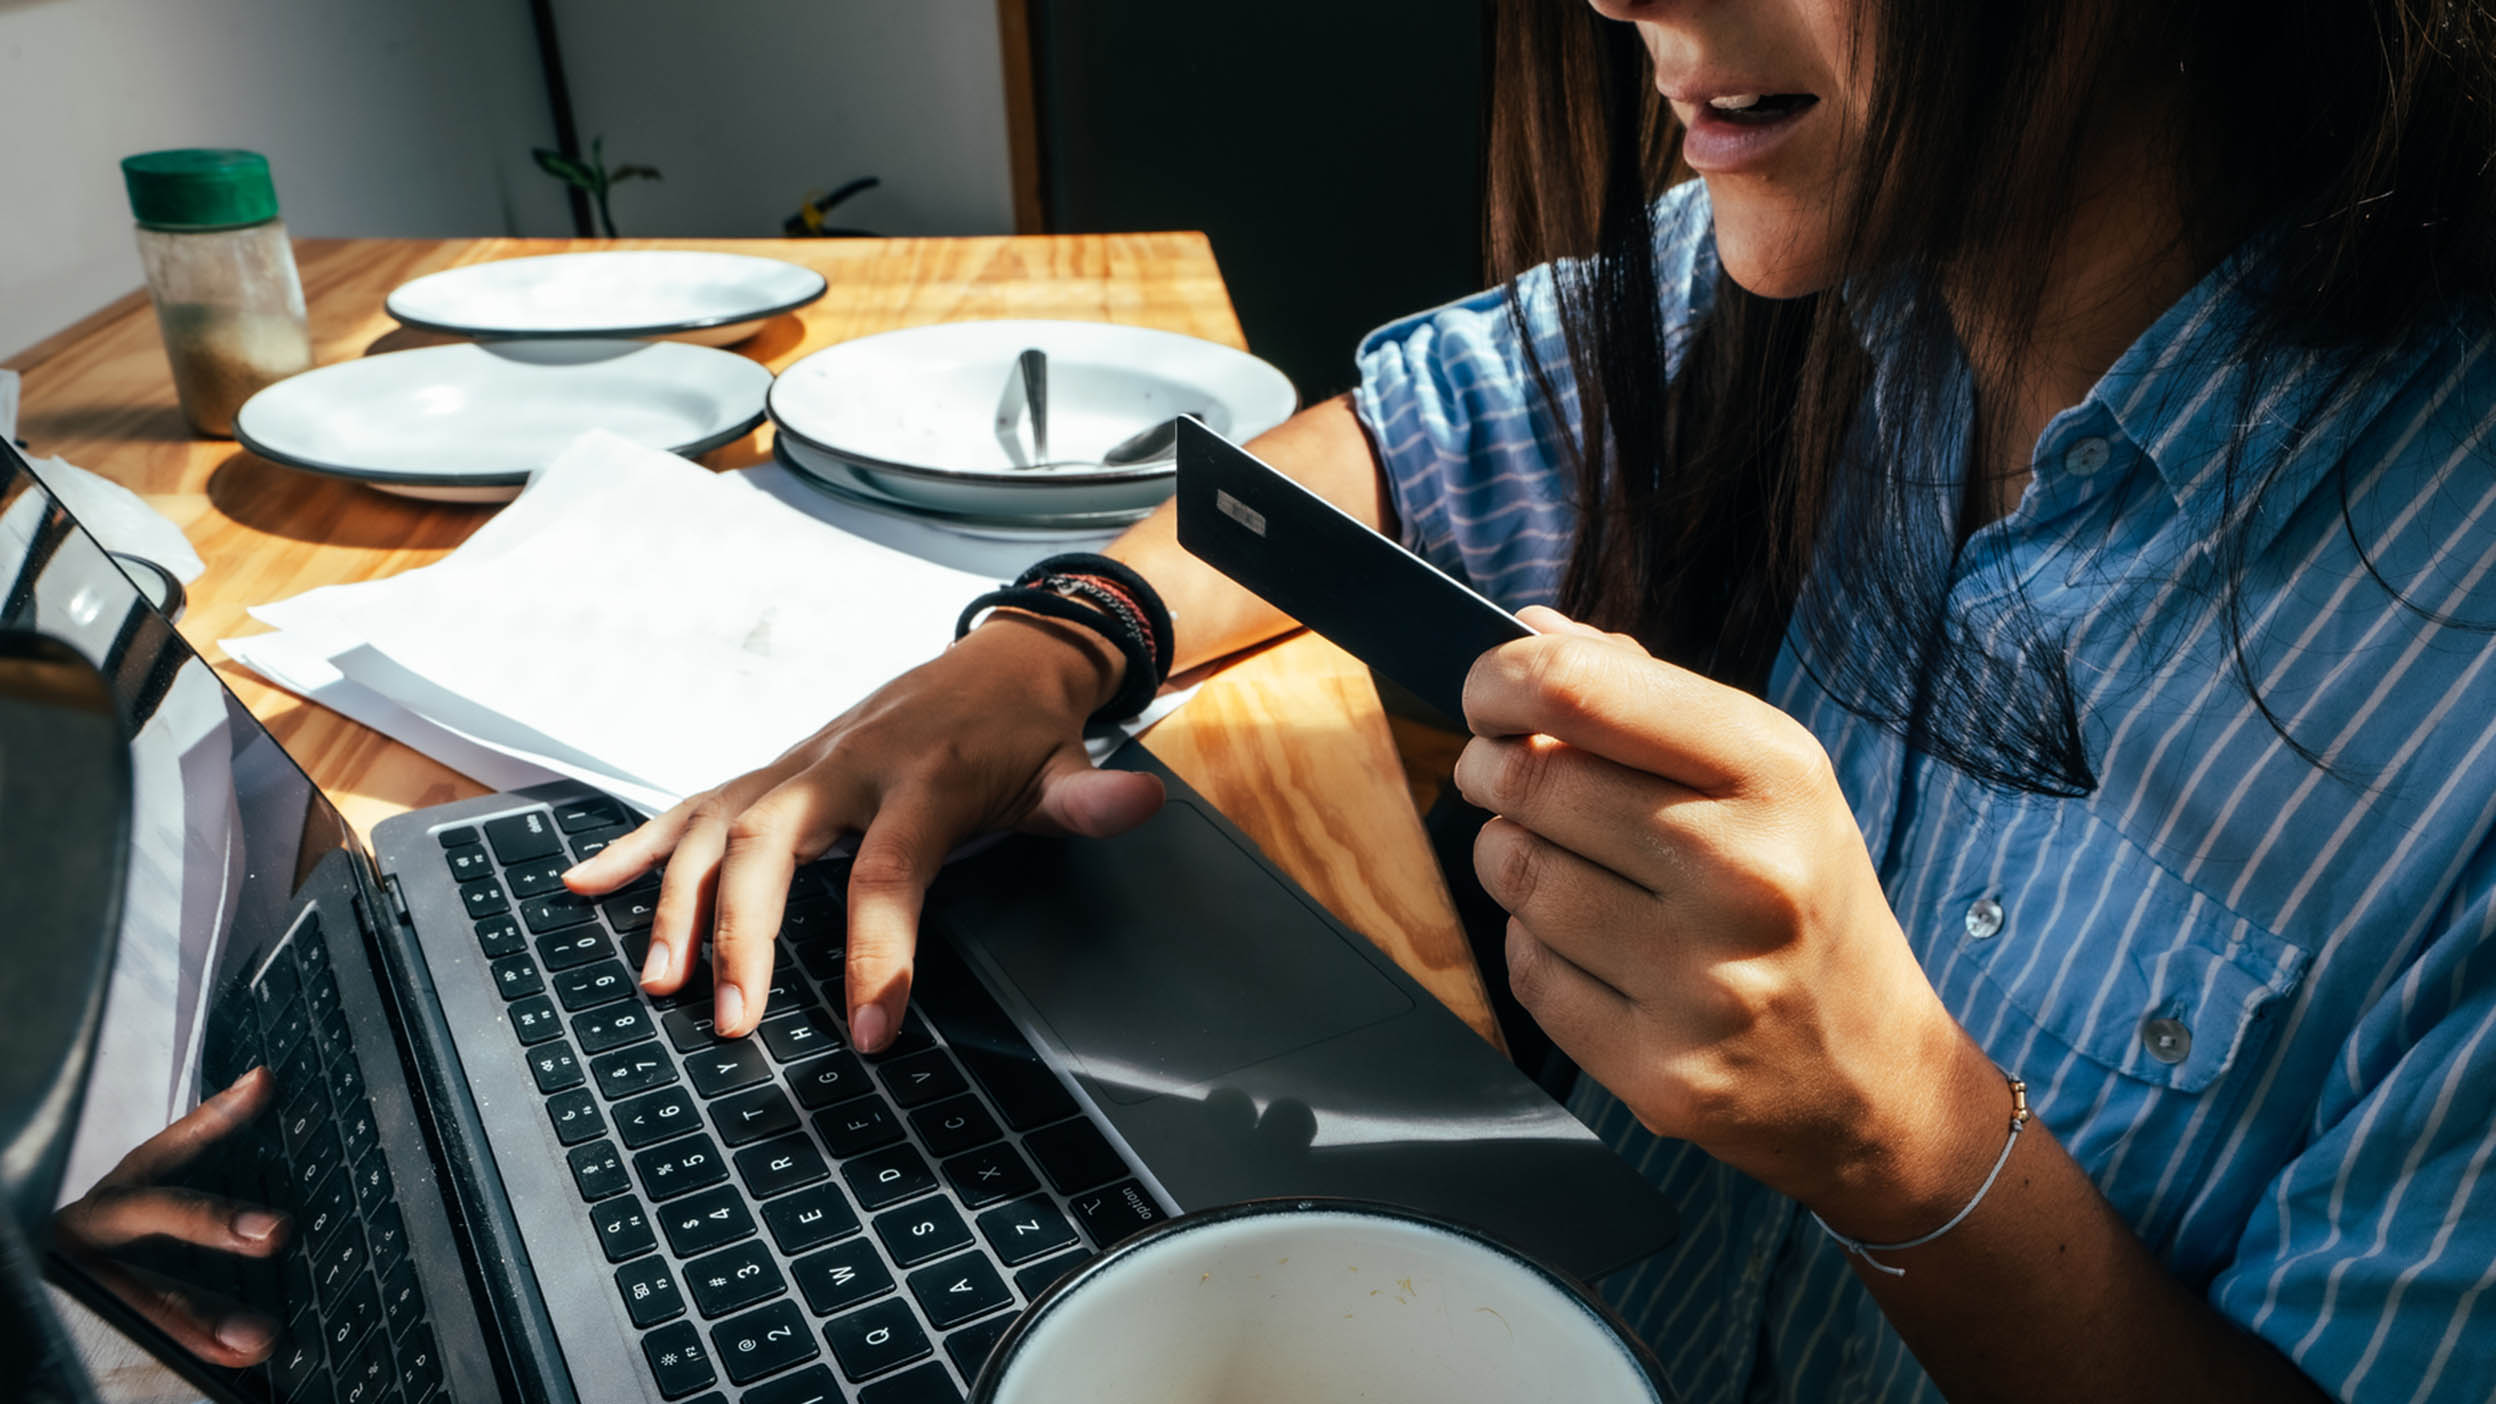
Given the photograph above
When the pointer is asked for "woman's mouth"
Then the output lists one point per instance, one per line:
(1739, 131)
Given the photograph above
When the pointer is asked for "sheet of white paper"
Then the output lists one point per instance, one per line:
(120, 518)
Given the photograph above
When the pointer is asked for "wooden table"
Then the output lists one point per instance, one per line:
(1289, 742)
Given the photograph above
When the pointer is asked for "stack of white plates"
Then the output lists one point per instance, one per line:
(909, 422)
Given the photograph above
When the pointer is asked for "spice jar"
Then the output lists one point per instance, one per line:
(222, 276)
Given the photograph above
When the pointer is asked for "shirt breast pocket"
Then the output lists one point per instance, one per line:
(2122, 993)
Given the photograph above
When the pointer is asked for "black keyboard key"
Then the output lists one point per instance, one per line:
(690, 1028)
(842, 1276)
(303, 1115)
(749, 1116)
(363, 1376)
(386, 1232)
(589, 843)
(500, 936)
(372, 1184)
(913, 1038)
(534, 1019)
(402, 1302)
(800, 1035)
(921, 1077)
(1109, 1215)
(701, 1222)
(646, 1121)
(988, 1175)
(537, 877)
(592, 985)
(1075, 1156)
(576, 1118)
(356, 1310)
(555, 911)
(678, 1360)
(623, 1229)
(958, 1290)
(304, 1172)
(929, 1229)
(822, 1082)
(320, 994)
(776, 1167)
(420, 1367)
(649, 1290)
(764, 1340)
(854, 1128)
(554, 1067)
(590, 814)
(280, 980)
(287, 1028)
(809, 1218)
(726, 1067)
(483, 898)
(924, 1385)
(598, 1169)
(877, 1338)
(811, 921)
(579, 946)
(453, 838)
(733, 1278)
(632, 911)
(469, 863)
(330, 1033)
(611, 1026)
(629, 1070)
(680, 1167)
(694, 993)
(517, 838)
(1025, 1091)
(327, 1207)
(954, 1125)
(1042, 1275)
(888, 1176)
(516, 977)
(969, 1346)
(1026, 1230)
(812, 1385)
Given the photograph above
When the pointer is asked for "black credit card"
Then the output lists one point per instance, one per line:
(1317, 563)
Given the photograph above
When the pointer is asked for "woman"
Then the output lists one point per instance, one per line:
(2038, 475)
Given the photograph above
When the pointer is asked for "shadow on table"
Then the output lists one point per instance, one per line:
(48, 429)
(322, 511)
(774, 338)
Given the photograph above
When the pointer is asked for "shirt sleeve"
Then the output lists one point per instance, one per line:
(1476, 467)
(2370, 1261)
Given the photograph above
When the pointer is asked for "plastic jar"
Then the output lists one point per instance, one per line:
(222, 275)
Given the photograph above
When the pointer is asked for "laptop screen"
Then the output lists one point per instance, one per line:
(225, 1189)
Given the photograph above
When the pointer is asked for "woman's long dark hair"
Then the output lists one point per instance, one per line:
(2356, 134)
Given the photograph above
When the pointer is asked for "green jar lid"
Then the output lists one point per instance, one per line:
(199, 189)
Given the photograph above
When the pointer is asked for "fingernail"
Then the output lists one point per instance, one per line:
(245, 1335)
(869, 1027)
(731, 1007)
(255, 1224)
(653, 963)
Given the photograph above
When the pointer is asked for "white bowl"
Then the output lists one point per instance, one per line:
(710, 299)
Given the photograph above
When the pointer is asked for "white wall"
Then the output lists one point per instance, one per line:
(746, 105)
(379, 117)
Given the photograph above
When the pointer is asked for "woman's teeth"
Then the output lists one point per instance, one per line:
(1741, 103)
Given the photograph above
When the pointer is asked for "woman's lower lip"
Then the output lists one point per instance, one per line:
(1714, 145)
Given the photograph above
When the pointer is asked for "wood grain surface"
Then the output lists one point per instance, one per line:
(1290, 742)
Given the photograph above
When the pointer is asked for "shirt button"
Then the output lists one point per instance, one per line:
(1984, 918)
(2086, 456)
(2167, 1040)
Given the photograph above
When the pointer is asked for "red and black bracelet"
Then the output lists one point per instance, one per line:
(1100, 594)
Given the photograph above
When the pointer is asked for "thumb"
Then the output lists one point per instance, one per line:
(1078, 798)
(1543, 619)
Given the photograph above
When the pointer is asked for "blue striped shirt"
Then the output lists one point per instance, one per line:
(2256, 1001)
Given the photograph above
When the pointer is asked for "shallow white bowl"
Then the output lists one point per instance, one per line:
(469, 423)
(914, 412)
(710, 299)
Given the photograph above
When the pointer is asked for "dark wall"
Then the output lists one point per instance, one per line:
(1332, 151)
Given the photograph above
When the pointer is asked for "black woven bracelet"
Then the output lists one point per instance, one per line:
(1156, 614)
(1141, 680)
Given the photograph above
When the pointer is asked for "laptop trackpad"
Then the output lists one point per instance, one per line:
(1163, 958)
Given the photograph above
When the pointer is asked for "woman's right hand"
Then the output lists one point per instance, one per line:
(988, 735)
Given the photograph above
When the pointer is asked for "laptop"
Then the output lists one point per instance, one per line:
(511, 1174)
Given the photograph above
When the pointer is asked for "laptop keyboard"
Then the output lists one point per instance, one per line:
(787, 1218)
(355, 1329)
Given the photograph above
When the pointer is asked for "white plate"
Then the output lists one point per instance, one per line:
(469, 423)
(914, 412)
(707, 298)
(847, 481)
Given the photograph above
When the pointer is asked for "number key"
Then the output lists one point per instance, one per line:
(629, 1070)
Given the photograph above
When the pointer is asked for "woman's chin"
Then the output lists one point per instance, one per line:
(1773, 253)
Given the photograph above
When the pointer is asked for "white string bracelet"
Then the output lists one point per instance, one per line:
(1863, 1250)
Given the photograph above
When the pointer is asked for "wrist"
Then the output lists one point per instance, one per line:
(1920, 1162)
(1069, 666)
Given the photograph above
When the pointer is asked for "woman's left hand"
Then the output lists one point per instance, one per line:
(1694, 919)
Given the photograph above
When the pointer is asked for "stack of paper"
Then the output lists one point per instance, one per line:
(632, 620)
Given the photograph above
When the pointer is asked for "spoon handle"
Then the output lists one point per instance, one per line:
(1034, 365)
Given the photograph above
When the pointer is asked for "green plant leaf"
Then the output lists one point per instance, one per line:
(634, 173)
(564, 168)
(856, 187)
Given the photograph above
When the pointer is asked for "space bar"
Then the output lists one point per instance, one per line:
(998, 1058)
